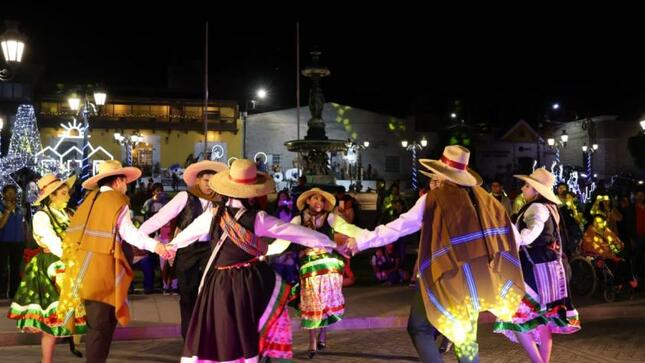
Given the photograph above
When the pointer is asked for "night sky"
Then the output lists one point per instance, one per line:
(499, 71)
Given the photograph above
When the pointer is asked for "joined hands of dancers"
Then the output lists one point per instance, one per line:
(166, 253)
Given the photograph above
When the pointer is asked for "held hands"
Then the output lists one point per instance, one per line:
(352, 246)
(164, 252)
(348, 249)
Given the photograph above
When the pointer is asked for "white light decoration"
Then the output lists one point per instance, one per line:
(585, 148)
(453, 115)
(424, 142)
(72, 130)
(643, 125)
(230, 161)
(278, 177)
(564, 137)
(262, 93)
(404, 143)
(262, 155)
(594, 147)
(556, 106)
(550, 141)
(60, 161)
(217, 152)
(366, 144)
(293, 174)
(25, 139)
(351, 156)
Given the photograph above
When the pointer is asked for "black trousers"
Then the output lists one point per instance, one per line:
(10, 260)
(101, 323)
(190, 264)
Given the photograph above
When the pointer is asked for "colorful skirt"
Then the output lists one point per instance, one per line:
(560, 317)
(321, 291)
(34, 306)
(240, 316)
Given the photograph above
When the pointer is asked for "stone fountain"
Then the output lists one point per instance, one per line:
(313, 150)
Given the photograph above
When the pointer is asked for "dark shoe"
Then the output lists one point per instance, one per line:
(311, 354)
(72, 348)
(321, 345)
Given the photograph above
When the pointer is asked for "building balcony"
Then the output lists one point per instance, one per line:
(144, 122)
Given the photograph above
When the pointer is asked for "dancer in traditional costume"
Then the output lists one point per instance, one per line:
(36, 301)
(546, 308)
(321, 271)
(240, 314)
(468, 259)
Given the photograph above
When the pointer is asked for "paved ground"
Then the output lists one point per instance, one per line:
(374, 331)
(603, 340)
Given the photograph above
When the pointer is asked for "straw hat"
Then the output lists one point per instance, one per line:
(49, 183)
(109, 168)
(302, 199)
(453, 165)
(542, 181)
(190, 174)
(242, 180)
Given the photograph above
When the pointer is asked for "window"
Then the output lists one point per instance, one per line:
(228, 112)
(49, 107)
(275, 159)
(193, 111)
(141, 109)
(159, 110)
(122, 110)
(142, 158)
(392, 164)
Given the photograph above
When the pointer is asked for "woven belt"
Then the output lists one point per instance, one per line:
(239, 265)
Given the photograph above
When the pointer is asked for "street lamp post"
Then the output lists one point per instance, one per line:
(588, 152)
(260, 94)
(414, 147)
(13, 47)
(557, 144)
(129, 142)
(82, 106)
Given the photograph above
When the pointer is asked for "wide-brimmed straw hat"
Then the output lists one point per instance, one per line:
(542, 181)
(109, 168)
(191, 172)
(49, 183)
(242, 180)
(302, 199)
(453, 165)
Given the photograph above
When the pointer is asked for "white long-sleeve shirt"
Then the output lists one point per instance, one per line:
(44, 233)
(337, 223)
(407, 223)
(128, 232)
(535, 216)
(265, 226)
(170, 211)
